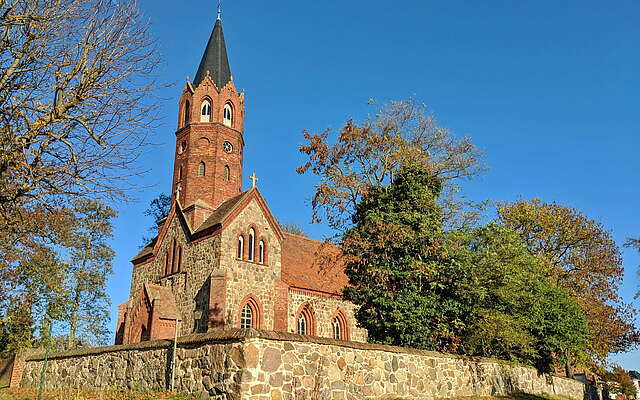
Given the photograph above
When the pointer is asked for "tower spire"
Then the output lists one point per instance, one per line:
(214, 60)
(219, 10)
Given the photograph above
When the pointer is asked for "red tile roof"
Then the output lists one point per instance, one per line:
(310, 264)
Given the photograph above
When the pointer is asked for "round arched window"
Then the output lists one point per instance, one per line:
(205, 111)
(227, 119)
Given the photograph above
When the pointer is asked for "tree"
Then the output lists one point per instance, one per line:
(76, 102)
(635, 243)
(518, 315)
(293, 228)
(621, 382)
(370, 155)
(16, 329)
(90, 264)
(409, 289)
(579, 255)
(158, 209)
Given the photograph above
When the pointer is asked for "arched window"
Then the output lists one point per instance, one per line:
(246, 317)
(306, 320)
(173, 256)
(179, 259)
(302, 324)
(227, 173)
(250, 314)
(180, 173)
(187, 113)
(166, 262)
(205, 111)
(240, 251)
(201, 168)
(261, 252)
(227, 115)
(339, 326)
(252, 235)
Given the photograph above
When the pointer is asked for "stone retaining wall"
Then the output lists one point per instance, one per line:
(250, 364)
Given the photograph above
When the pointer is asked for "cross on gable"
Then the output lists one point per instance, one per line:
(254, 179)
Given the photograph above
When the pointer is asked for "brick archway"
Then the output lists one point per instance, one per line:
(256, 312)
(307, 311)
(342, 327)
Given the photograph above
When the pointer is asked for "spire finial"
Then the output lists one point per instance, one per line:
(219, 9)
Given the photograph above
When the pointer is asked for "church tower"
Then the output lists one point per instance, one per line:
(209, 139)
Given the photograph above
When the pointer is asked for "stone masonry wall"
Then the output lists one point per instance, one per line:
(256, 365)
(249, 278)
(200, 260)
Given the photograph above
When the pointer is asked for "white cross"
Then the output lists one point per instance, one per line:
(254, 179)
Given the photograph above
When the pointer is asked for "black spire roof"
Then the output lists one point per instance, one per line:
(215, 59)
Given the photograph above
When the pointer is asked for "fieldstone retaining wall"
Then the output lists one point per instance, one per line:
(256, 365)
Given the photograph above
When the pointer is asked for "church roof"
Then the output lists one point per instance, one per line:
(219, 215)
(214, 60)
(310, 264)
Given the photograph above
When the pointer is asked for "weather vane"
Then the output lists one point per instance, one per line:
(219, 9)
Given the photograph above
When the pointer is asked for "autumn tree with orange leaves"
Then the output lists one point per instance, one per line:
(369, 154)
(579, 255)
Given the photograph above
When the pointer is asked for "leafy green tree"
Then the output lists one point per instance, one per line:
(90, 265)
(577, 254)
(16, 329)
(518, 314)
(409, 289)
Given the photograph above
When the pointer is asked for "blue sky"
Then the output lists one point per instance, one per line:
(548, 90)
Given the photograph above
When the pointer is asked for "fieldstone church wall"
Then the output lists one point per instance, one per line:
(250, 364)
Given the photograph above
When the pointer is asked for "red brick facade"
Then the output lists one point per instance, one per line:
(208, 156)
(221, 249)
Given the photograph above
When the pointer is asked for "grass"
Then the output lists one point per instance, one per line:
(23, 394)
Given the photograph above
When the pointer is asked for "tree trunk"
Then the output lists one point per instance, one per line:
(73, 318)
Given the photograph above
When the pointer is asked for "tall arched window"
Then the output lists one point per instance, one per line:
(201, 168)
(261, 252)
(180, 173)
(246, 317)
(227, 115)
(179, 259)
(306, 321)
(173, 256)
(187, 113)
(250, 314)
(302, 324)
(227, 173)
(252, 235)
(240, 250)
(339, 326)
(166, 262)
(205, 111)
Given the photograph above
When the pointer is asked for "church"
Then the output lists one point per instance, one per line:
(220, 260)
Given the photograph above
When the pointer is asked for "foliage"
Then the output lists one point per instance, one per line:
(409, 290)
(89, 265)
(293, 228)
(158, 209)
(578, 255)
(620, 382)
(635, 243)
(75, 101)
(16, 330)
(370, 155)
(60, 276)
(518, 314)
